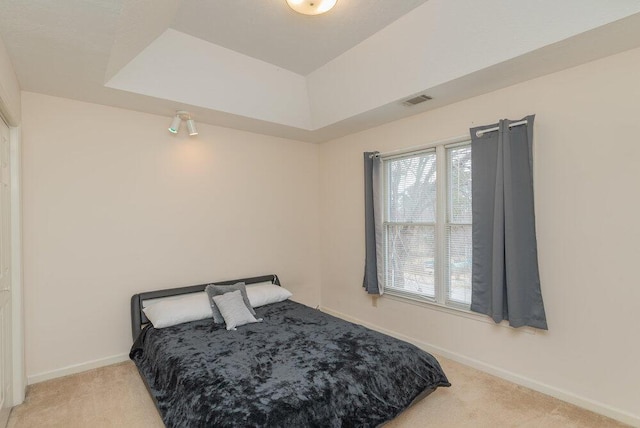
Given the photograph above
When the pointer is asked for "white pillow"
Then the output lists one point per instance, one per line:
(233, 309)
(258, 284)
(266, 293)
(190, 307)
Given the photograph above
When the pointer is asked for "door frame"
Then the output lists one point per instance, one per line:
(19, 377)
(18, 372)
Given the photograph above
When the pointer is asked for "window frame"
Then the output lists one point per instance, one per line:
(442, 222)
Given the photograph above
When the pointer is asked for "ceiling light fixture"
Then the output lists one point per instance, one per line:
(177, 121)
(311, 7)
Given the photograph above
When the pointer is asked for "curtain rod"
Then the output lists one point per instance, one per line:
(495, 128)
(458, 139)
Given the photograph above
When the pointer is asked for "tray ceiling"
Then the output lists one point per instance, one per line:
(259, 66)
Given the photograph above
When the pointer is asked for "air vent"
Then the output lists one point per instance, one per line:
(416, 100)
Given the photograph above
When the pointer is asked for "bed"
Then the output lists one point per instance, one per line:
(299, 367)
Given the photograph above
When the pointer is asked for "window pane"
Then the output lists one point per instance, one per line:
(459, 264)
(459, 159)
(410, 259)
(412, 189)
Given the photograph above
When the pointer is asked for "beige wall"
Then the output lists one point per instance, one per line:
(9, 89)
(587, 183)
(114, 204)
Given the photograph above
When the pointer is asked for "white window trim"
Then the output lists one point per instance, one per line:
(428, 304)
(440, 147)
(441, 222)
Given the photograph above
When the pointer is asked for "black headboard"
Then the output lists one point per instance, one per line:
(138, 318)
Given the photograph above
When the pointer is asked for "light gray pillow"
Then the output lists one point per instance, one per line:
(217, 290)
(233, 309)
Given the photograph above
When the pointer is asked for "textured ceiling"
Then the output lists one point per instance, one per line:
(257, 65)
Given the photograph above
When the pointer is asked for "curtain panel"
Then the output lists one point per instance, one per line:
(373, 282)
(505, 277)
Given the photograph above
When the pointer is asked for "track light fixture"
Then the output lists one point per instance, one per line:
(177, 121)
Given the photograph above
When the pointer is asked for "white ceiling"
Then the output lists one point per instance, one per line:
(270, 31)
(258, 66)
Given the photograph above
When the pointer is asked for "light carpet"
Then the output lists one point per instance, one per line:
(115, 396)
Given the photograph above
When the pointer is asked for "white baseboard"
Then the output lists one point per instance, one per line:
(77, 368)
(569, 397)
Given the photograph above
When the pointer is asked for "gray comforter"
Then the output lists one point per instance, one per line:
(300, 367)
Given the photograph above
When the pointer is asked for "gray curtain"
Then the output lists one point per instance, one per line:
(505, 278)
(373, 281)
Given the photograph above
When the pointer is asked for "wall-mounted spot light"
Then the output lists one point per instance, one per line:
(177, 121)
(311, 7)
(191, 127)
(175, 125)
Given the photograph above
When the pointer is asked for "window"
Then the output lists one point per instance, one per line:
(427, 225)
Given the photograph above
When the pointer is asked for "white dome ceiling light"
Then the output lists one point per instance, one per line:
(311, 7)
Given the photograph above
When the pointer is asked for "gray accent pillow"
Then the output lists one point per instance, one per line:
(217, 290)
(233, 309)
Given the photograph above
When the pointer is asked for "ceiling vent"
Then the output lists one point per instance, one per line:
(416, 100)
